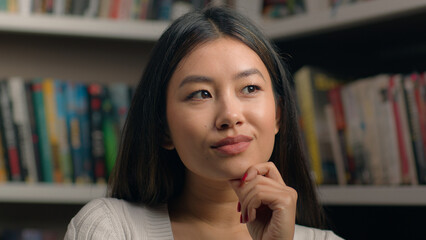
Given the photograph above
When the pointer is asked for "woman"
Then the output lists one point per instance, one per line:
(211, 147)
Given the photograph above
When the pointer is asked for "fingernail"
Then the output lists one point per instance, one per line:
(241, 218)
(243, 179)
(239, 207)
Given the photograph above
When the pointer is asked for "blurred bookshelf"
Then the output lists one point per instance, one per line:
(108, 50)
(319, 19)
(50, 193)
(358, 195)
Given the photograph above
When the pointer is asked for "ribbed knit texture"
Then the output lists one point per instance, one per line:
(113, 219)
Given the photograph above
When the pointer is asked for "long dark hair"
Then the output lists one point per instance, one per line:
(147, 173)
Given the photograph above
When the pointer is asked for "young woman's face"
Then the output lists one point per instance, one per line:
(221, 110)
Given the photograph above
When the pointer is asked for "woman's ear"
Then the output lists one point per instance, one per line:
(167, 141)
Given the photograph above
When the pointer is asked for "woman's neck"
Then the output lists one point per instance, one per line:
(206, 200)
(206, 207)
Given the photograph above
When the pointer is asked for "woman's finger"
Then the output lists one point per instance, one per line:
(267, 169)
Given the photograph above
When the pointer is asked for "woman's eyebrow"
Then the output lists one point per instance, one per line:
(200, 79)
(195, 79)
(249, 72)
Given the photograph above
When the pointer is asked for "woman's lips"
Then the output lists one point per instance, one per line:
(233, 145)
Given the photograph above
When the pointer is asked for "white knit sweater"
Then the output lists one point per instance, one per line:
(109, 218)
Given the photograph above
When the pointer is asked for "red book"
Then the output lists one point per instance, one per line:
(114, 9)
(394, 95)
(420, 96)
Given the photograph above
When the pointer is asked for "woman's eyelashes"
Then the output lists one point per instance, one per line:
(205, 94)
(250, 89)
(199, 95)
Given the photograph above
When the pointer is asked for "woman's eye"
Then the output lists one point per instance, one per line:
(201, 94)
(250, 89)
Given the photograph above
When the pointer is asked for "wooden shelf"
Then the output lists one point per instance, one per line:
(341, 17)
(329, 195)
(50, 193)
(373, 195)
(83, 27)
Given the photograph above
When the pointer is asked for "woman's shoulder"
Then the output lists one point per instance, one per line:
(302, 232)
(110, 218)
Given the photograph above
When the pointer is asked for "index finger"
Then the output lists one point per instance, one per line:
(267, 169)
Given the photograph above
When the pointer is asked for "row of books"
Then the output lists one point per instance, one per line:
(60, 131)
(283, 8)
(367, 131)
(29, 234)
(112, 9)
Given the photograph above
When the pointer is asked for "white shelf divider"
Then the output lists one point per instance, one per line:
(50, 193)
(344, 16)
(373, 195)
(147, 30)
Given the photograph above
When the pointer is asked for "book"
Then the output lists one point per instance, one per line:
(65, 160)
(371, 137)
(312, 86)
(75, 111)
(96, 94)
(33, 126)
(9, 135)
(355, 131)
(335, 145)
(49, 97)
(21, 119)
(44, 146)
(410, 82)
(120, 99)
(92, 9)
(3, 169)
(409, 174)
(420, 98)
(59, 7)
(82, 103)
(385, 124)
(109, 129)
(335, 99)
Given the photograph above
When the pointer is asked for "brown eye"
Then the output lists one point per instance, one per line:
(201, 94)
(250, 89)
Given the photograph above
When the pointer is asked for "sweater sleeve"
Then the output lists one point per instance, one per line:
(96, 220)
(304, 233)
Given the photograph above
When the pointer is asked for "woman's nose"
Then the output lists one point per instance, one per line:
(229, 114)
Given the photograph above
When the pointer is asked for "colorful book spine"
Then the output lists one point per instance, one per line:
(306, 102)
(409, 174)
(64, 148)
(96, 92)
(73, 127)
(9, 135)
(385, 125)
(82, 102)
(119, 94)
(49, 98)
(33, 125)
(413, 118)
(42, 132)
(22, 121)
(335, 98)
(109, 129)
(3, 169)
(355, 132)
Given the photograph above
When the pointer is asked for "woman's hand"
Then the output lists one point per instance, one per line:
(266, 203)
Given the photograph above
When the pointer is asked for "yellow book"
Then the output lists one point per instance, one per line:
(12, 6)
(3, 174)
(305, 100)
(52, 126)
